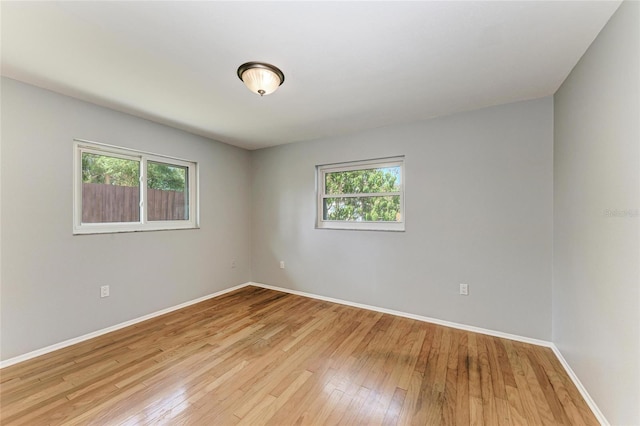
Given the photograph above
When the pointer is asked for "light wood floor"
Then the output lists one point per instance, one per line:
(258, 356)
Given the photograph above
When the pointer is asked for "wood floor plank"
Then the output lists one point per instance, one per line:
(279, 401)
(525, 398)
(462, 383)
(350, 416)
(516, 412)
(550, 394)
(393, 410)
(489, 408)
(454, 412)
(476, 412)
(570, 412)
(256, 357)
(537, 394)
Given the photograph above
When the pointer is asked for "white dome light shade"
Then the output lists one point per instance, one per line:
(260, 78)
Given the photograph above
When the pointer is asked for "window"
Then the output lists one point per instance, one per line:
(121, 190)
(362, 195)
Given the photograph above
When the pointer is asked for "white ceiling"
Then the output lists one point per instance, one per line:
(348, 66)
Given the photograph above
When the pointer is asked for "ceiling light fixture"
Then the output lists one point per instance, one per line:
(260, 78)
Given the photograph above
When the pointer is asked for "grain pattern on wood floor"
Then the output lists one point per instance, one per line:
(261, 357)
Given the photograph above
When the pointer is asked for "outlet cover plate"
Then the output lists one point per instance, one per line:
(464, 289)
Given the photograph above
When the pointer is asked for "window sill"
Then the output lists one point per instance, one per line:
(97, 229)
(362, 226)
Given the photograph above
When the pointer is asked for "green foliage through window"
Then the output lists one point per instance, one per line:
(370, 195)
(371, 209)
(110, 170)
(104, 169)
(166, 177)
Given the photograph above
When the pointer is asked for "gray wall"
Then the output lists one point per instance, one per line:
(482, 190)
(596, 273)
(478, 210)
(50, 278)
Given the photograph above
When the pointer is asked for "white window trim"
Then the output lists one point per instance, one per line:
(80, 146)
(322, 170)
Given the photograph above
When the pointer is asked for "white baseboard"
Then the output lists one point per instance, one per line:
(412, 316)
(583, 391)
(556, 351)
(55, 347)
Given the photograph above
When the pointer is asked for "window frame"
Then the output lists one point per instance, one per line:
(83, 146)
(322, 170)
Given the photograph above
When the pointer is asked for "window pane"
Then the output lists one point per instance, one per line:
(361, 209)
(110, 189)
(363, 181)
(167, 192)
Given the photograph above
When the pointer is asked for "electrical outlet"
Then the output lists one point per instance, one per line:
(104, 291)
(233, 264)
(464, 289)
(282, 264)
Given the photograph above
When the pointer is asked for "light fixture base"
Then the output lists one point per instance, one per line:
(261, 78)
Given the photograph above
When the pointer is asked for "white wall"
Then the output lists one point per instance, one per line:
(478, 211)
(596, 274)
(50, 278)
